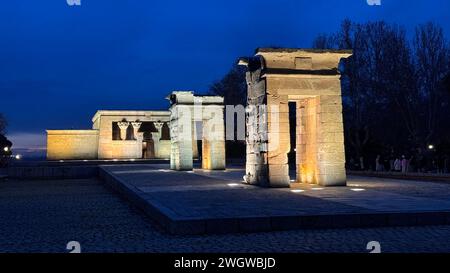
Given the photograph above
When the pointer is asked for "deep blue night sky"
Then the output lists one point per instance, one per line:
(59, 64)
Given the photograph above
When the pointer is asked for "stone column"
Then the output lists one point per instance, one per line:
(307, 134)
(157, 137)
(279, 142)
(252, 148)
(136, 126)
(330, 140)
(139, 137)
(158, 126)
(123, 126)
(195, 153)
(256, 137)
(213, 140)
(181, 138)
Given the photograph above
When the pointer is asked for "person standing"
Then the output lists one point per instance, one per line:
(378, 164)
(404, 164)
(361, 163)
(397, 165)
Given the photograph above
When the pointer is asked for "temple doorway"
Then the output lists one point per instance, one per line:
(148, 149)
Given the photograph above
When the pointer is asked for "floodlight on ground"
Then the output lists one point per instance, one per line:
(297, 191)
(357, 190)
(233, 185)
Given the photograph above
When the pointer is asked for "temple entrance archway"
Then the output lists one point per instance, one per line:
(188, 112)
(311, 80)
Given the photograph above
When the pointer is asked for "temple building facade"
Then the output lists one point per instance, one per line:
(115, 135)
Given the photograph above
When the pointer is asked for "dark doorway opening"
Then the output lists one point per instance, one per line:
(292, 156)
(148, 149)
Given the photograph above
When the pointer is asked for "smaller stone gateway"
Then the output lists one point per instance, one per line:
(189, 115)
(310, 80)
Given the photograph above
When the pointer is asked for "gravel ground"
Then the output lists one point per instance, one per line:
(43, 216)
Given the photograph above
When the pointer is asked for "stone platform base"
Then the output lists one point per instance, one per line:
(202, 202)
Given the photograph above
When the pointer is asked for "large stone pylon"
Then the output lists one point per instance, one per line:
(311, 80)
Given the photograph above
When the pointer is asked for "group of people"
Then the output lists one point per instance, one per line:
(399, 164)
(402, 164)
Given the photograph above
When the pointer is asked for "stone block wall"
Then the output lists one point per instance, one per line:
(164, 149)
(72, 144)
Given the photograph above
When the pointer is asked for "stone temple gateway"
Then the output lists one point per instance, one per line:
(190, 114)
(310, 79)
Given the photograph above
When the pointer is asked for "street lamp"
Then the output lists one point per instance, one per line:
(6, 149)
(431, 147)
(18, 157)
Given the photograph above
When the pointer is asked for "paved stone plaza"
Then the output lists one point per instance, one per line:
(42, 216)
(217, 202)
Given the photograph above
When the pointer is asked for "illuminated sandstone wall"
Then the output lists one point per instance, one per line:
(213, 135)
(309, 78)
(116, 149)
(109, 148)
(72, 144)
(99, 143)
(164, 149)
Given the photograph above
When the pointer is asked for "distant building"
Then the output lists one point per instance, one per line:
(114, 135)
